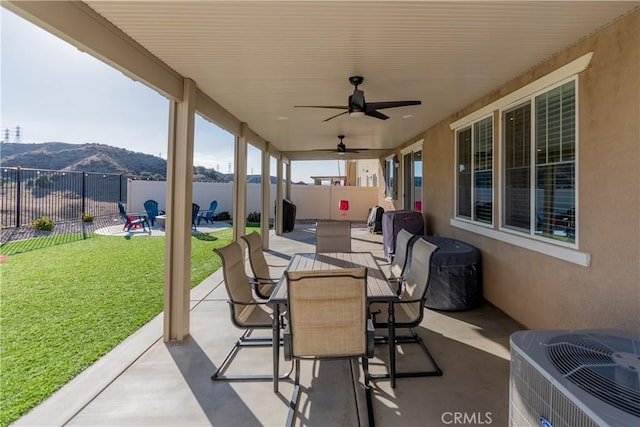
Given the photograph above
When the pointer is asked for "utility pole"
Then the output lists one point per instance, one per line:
(18, 139)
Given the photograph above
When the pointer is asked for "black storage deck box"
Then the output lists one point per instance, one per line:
(455, 282)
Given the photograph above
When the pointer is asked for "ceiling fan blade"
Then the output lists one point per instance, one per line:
(390, 104)
(335, 107)
(333, 117)
(377, 115)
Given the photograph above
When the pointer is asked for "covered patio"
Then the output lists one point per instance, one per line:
(148, 382)
(552, 205)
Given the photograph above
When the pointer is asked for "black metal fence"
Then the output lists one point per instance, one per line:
(28, 194)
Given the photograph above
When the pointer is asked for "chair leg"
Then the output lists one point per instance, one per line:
(246, 341)
(296, 394)
(413, 338)
(367, 390)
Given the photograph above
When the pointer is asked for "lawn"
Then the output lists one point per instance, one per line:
(64, 306)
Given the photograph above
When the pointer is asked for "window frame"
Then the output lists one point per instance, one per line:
(409, 193)
(566, 253)
(530, 100)
(471, 126)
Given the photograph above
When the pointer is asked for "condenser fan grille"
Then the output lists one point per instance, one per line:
(602, 365)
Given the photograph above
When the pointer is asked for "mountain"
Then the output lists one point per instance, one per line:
(94, 158)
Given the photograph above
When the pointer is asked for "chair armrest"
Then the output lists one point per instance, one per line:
(371, 331)
(286, 341)
(398, 281)
(256, 283)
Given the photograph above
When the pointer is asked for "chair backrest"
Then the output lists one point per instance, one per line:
(151, 208)
(194, 212)
(236, 281)
(212, 208)
(333, 236)
(327, 312)
(416, 281)
(258, 263)
(401, 253)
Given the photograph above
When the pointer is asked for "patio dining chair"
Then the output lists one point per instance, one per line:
(132, 220)
(333, 236)
(246, 312)
(151, 208)
(409, 309)
(208, 214)
(262, 280)
(328, 319)
(400, 263)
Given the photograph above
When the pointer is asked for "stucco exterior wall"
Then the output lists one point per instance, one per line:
(540, 291)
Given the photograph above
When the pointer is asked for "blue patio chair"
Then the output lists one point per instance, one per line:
(208, 214)
(151, 208)
(132, 220)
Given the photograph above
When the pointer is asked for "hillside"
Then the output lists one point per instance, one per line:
(93, 158)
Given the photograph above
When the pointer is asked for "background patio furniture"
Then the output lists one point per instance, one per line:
(393, 222)
(208, 214)
(132, 220)
(333, 236)
(328, 319)
(246, 312)
(194, 213)
(151, 208)
(263, 283)
(409, 309)
(456, 275)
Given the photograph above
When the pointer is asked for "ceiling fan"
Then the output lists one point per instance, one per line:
(357, 107)
(342, 149)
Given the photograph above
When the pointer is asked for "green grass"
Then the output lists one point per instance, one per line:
(64, 306)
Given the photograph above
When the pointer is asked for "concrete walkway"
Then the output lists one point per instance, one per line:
(147, 382)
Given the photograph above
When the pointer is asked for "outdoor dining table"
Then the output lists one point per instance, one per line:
(378, 290)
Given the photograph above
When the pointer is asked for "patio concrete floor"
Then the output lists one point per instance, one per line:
(147, 382)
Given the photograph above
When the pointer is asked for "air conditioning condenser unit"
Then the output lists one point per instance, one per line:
(579, 378)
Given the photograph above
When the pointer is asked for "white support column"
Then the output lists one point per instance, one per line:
(279, 198)
(266, 196)
(177, 276)
(240, 185)
(288, 182)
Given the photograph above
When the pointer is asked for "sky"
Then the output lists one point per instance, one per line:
(56, 93)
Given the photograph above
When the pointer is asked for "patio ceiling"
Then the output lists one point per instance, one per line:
(258, 59)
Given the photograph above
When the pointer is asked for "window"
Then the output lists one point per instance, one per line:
(412, 172)
(474, 174)
(391, 186)
(540, 165)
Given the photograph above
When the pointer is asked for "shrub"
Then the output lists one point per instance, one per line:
(87, 217)
(43, 223)
(253, 217)
(222, 216)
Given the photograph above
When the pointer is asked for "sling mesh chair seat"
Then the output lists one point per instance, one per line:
(246, 312)
(333, 236)
(409, 310)
(400, 262)
(328, 319)
(262, 280)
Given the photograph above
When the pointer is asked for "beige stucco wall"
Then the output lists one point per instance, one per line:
(540, 291)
